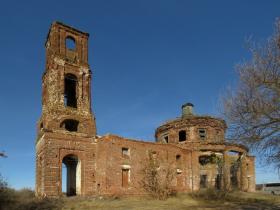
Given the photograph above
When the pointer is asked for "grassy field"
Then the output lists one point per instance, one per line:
(25, 199)
(234, 201)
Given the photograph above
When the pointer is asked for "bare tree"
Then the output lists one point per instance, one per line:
(253, 109)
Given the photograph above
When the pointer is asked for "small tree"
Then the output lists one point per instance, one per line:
(157, 178)
(253, 109)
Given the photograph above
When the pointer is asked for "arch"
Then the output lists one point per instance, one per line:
(70, 125)
(70, 90)
(73, 174)
(210, 170)
(70, 43)
(207, 159)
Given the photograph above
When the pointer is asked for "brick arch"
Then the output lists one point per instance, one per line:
(234, 148)
(74, 162)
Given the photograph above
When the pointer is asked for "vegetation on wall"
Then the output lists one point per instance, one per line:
(157, 178)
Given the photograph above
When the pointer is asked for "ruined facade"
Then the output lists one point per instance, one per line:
(194, 146)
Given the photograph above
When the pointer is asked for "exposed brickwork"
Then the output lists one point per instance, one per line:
(111, 165)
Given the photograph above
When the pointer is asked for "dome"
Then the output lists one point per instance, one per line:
(191, 128)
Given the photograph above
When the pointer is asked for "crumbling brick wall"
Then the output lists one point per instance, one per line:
(113, 165)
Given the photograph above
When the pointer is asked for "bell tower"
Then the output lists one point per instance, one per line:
(66, 87)
(66, 129)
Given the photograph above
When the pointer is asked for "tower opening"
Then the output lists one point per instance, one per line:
(73, 175)
(70, 43)
(70, 125)
(70, 89)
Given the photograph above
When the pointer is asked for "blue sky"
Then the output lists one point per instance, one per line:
(148, 57)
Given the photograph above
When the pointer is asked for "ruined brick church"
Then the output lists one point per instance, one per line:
(110, 164)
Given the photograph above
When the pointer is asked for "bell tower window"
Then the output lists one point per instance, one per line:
(70, 125)
(70, 89)
(70, 43)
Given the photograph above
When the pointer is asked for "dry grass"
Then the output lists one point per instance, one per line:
(204, 200)
(233, 201)
(130, 203)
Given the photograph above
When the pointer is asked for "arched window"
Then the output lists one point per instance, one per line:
(70, 43)
(70, 89)
(70, 125)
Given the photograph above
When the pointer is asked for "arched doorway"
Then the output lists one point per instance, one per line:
(73, 175)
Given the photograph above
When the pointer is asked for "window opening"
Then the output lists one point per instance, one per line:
(166, 139)
(154, 155)
(202, 133)
(182, 136)
(70, 86)
(218, 181)
(125, 152)
(70, 43)
(70, 125)
(203, 181)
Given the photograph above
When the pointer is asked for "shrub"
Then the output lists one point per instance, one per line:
(24, 199)
(7, 195)
(41, 204)
(211, 194)
(157, 179)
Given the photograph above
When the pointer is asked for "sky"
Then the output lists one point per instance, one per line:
(148, 57)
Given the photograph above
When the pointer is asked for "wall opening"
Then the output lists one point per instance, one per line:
(70, 89)
(203, 181)
(178, 163)
(234, 175)
(125, 177)
(182, 135)
(202, 133)
(165, 139)
(64, 178)
(71, 174)
(218, 182)
(70, 43)
(125, 152)
(154, 155)
(206, 159)
(70, 125)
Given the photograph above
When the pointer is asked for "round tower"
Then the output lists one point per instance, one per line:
(191, 128)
